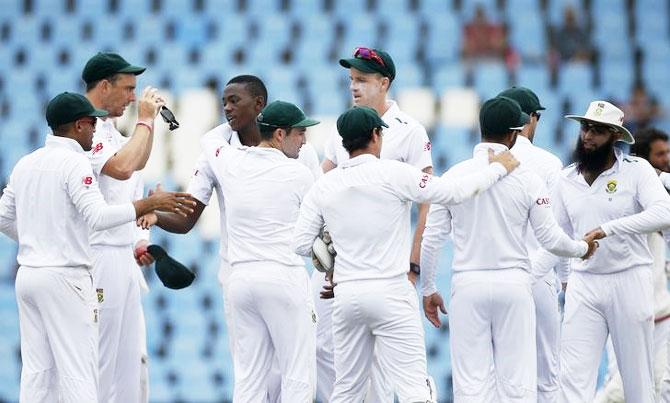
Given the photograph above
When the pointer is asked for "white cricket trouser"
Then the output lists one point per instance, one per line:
(378, 317)
(612, 390)
(116, 279)
(492, 324)
(548, 330)
(325, 361)
(273, 319)
(58, 316)
(597, 305)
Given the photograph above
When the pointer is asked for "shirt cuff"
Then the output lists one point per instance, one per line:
(584, 248)
(607, 229)
(499, 169)
(429, 289)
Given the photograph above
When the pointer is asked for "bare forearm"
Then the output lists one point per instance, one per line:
(415, 256)
(178, 224)
(135, 154)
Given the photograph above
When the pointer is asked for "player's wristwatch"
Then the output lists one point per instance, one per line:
(415, 268)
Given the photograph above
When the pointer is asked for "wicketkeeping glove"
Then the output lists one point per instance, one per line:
(323, 252)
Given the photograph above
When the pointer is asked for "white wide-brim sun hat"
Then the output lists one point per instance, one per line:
(603, 112)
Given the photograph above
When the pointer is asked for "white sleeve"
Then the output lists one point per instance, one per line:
(409, 183)
(202, 181)
(563, 264)
(665, 179)
(655, 203)
(308, 158)
(82, 187)
(8, 212)
(438, 227)
(101, 151)
(139, 194)
(545, 227)
(419, 148)
(330, 148)
(309, 224)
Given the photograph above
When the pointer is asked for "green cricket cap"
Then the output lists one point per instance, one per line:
(358, 122)
(68, 107)
(171, 273)
(284, 114)
(526, 98)
(501, 114)
(371, 61)
(107, 64)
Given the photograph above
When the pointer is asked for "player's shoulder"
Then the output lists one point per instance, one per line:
(397, 118)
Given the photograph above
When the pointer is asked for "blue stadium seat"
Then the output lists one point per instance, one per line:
(361, 30)
(490, 78)
(617, 80)
(66, 31)
(410, 76)
(192, 31)
(392, 11)
(448, 75)
(444, 40)
(108, 32)
(534, 76)
(527, 33)
(350, 10)
(557, 9)
(430, 7)
(575, 77)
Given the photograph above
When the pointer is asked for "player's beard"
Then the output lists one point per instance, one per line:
(593, 160)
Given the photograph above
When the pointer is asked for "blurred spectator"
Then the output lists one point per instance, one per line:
(483, 38)
(642, 109)
(652, 145)
(571, 42)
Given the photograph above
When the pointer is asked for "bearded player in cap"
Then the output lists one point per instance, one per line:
(371, 73)
(49, 206)
(365, 204)
(545, 285)
(491, 311)
(117, 252)
(612, 293)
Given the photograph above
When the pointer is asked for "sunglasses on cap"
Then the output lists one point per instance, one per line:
(595, 128)
(369, 54)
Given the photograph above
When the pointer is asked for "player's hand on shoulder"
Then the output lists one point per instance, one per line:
(431, 304)
(505, 158)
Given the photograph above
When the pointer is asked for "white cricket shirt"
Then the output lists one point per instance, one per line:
(489, 231)
(627, 201)
(52, 199)
(204, 181)
(107, 141)
(263, 190)
(405, 140)
(365, 204)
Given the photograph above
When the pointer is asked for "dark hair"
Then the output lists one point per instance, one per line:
(253, 84)
(494, 137)
(357, 143)
(267, 131)
(112, 79)
(643, 140)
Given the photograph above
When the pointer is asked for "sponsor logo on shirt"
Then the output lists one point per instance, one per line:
(218, 151)
(424, 181)
(87, 180)
(611, 186)
(542, 201)
(427, 146)
(97, 148)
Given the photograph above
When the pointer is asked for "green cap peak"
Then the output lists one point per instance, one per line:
(284, 114)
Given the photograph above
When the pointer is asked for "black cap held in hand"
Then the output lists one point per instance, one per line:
(172, 274)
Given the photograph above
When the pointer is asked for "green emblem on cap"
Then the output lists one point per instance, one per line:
(611, 186)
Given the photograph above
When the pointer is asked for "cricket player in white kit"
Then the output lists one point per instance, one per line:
(371, 72)
(51, 202)
(269, 293)
(244, 97)
(611, 294)
(365, 205)
(117, 252)
(652, 145)
(491, 311)
(545, 286)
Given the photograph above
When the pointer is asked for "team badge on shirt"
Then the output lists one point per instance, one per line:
(611, 186)
(101, 295)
